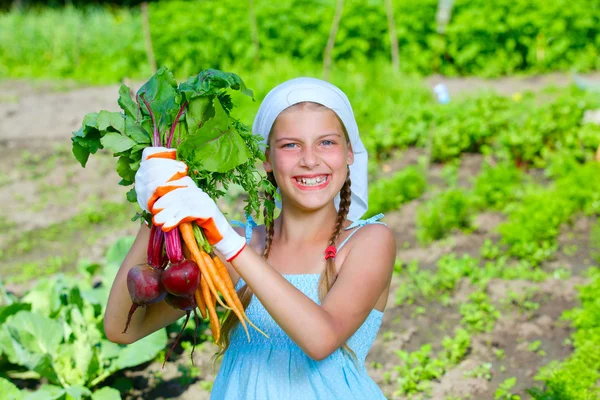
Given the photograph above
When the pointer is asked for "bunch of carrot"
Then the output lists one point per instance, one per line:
(214, 279)
(190, 277)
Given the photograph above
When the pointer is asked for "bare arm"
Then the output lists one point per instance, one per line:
(320, 330)
(145, 320)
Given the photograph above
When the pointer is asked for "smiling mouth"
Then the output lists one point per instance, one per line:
(312, 182)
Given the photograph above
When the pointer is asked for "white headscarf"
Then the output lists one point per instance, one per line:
(316, 90)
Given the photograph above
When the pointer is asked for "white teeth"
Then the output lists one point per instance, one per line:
(311, 181)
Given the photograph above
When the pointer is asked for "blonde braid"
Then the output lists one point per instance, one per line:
(329, 276)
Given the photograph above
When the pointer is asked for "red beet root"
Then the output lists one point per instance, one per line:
(181, 303)
(143, 282)
(181, 279)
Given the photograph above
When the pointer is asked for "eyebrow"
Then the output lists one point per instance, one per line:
(322, 136)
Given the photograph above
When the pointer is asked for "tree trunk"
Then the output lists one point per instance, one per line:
(254, 31)
(389, 9)
(148, 36)
(339, 7)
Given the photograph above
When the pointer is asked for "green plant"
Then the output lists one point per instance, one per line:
(489, 250)
(595, 241)
(495, 186)
(576, 377)
(478, 314)
(419, 368)
(55, 332)
(533, 224)
(500, 354)
(451, 209)
(481, 371)
(390, 193)
(503, 391)
(535, 347)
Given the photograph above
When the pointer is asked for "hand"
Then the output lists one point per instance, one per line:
(190, 203)
(158, 167)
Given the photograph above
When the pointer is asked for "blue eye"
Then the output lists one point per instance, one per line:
(330, 141)
(287, 144)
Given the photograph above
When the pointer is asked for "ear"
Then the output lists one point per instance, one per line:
(350, 155)
(267, 164)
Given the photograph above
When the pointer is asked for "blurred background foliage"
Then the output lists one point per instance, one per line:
(99, 42)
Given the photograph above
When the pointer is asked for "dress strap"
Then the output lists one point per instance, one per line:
(249, 225)
(360, 223)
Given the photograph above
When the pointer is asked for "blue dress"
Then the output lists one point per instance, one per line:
(277, 369)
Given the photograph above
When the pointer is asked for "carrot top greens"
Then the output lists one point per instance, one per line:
(194, 117)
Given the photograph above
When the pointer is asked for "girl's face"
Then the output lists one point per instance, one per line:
(308, 154)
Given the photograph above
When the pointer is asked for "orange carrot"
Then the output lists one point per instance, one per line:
(187, 233)
(198, 294)
(200, 300)
(215, 324)
(207, 297)
(224, 274)
(223, 289)
(186, 252)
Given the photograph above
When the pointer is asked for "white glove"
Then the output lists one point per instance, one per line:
(158, 167)
(190, 203)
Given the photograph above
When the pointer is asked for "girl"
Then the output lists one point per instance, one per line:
(322, 283)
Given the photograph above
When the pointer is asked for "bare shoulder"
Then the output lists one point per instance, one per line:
(374, 234)
(373, 245)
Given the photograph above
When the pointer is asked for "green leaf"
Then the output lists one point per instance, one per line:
(90, 140)
(136, 132)
(7, 311)
(77, 392)
(6, 346)
(125, 182)
(9, 390)
(35, 339)
(199, 110)
(109, 350)
(81, 153)
(135, 165)
(216, 144)
(160, 92)
(90, 120)
(87, 139)
(126, 102)
(132, 196)
(210, 82)
(116, 142)
(46, 392)
(45, 297)
(106, 393)
(142, 351)
(36, 332)
(124, 169)
(114, 120)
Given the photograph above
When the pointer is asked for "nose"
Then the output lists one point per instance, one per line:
(310, 158)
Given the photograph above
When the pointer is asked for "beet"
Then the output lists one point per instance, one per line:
(173, 246)
(180, 303)
(181, 279)
(145, 287)
(157, 257)
(187, 304)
